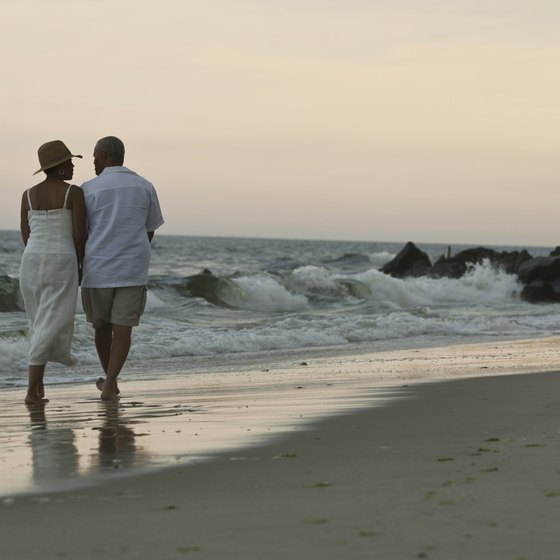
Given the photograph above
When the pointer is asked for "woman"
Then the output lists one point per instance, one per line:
(53, 228)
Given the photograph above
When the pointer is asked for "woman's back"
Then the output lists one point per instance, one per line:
(50, 228)
(49, 283)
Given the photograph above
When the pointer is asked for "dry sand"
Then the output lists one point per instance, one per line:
(341, 465)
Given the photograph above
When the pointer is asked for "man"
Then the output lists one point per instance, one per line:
(122, 213)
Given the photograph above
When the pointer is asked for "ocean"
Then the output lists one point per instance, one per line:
(261, 298)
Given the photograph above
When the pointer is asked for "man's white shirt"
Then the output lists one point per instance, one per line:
(122, 208)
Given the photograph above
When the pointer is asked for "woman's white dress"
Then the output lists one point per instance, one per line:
(49, 285)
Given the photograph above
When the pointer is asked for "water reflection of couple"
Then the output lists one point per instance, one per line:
(55, 455)
(54, 452)
(98, 235)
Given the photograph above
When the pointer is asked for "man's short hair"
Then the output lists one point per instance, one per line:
(113, 148)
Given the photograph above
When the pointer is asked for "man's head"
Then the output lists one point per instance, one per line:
(108, 152)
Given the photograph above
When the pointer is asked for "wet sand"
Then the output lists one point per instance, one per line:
(341, 464)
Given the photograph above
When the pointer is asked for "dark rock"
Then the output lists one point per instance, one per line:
(539, 268)
(411, 261)
(448, 268)
(513, 260)
(541, 277)
(457, 266)
(540, 291)
(555, 287)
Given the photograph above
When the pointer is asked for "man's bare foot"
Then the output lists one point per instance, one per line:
(109, 396)
(100, 384)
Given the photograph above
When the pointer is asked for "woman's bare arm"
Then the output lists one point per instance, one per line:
(77, 205)
(24, 220)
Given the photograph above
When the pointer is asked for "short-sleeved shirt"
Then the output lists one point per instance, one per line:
(122, 208)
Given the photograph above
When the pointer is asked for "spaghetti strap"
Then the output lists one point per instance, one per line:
(29, 200)
(66, 196)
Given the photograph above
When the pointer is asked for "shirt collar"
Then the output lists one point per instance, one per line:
(114, 169)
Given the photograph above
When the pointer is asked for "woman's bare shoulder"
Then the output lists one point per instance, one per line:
(76, 191)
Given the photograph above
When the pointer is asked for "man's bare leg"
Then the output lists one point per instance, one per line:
(120, 347)
(35, 389)
(103, 343)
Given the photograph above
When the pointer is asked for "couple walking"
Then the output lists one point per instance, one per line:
(98, 235)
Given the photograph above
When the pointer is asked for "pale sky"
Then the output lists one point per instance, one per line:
(376, 120)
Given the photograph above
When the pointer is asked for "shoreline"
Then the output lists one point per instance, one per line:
(440, 473)
(505, 355)
(77, 441)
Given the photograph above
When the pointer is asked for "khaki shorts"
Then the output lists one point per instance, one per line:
(117, 306)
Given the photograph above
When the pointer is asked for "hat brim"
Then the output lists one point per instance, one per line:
(55, 163)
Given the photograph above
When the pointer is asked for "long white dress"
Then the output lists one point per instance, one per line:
(49, 285)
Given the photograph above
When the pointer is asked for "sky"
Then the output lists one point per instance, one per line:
(375, 120)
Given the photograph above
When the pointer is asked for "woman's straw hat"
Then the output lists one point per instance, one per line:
(52, 154)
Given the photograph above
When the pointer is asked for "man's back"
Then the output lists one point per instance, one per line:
(122, 208)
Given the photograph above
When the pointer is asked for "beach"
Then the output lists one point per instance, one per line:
(446, 452)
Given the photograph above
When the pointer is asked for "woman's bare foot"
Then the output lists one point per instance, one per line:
(35, 387)
(40, 392)
(33, 399)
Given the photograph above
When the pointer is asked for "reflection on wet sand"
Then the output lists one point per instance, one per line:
(54, 455)
(78, 440)
(75, 440)
(63, 450)
(117, 441)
